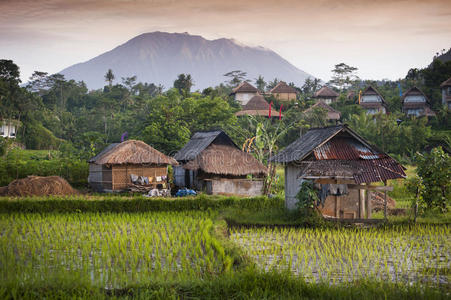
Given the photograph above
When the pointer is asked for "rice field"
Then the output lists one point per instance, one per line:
(108, 250)
(419, 254)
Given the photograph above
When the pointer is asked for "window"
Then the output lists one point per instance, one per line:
(415, 112)
(449, 90)
(414, 99)
(370, 98)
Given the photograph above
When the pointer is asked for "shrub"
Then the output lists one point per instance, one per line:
(434, 170)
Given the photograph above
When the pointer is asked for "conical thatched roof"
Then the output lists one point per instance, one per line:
(257, 106)
(131, 152)
(326, 91)
(332, 114)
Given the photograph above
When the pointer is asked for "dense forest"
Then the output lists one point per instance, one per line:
(59, 114)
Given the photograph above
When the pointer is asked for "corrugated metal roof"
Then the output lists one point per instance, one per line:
(199, 142)
(345, 148)
(362, 171)
(306, 144)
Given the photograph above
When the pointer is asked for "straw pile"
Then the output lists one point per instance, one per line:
(38, 186)
(377, 201)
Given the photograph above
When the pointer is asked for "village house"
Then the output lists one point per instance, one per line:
(258, 106)
(446, 93)
(372, 101)
(283, 92)
(326, 95)
(415, 103)
(331, 114)
(213, 163)
(244, 92)
(120, 164)
(8, 128)
(342, 165)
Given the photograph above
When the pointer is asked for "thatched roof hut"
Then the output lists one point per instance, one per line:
(257, 106)
(112, 168)
(131, 152)
(326, 94)
(332, 114)
(213, 156)
(214, 152)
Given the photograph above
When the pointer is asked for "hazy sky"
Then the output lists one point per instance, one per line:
(382, 38)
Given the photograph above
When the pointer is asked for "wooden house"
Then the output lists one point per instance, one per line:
(283, 92)
(326, 95)
(415, 103)
(446, 93)
(342, 165)
(331, 114)
(372, 101)
(8, 128)
(213, 163)
(112, 168)
(257, 106)
(244, 92)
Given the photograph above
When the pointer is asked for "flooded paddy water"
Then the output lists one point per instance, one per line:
(417, 254)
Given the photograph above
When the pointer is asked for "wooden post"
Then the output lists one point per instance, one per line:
(368, 204)
(361, 203)
(385, 202)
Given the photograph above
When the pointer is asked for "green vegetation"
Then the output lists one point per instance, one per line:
(398, 254)
(19, 163)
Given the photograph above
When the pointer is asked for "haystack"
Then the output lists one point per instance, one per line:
(377, 201)
(38, 186)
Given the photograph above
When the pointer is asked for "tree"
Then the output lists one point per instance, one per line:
(310, 86)
(129, 83)
(343, 76)
(183, 84)
(109, 76)
(434, 170)
(272, 84)
(260, 82)
(235, 77)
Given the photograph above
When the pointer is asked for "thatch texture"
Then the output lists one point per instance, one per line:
(38, 186)
(226, 160)
(131, 152)
(332, 114)
(244, 87)
(282, 87)
(326, 92)
(257, 106)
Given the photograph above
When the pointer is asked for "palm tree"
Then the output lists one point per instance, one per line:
(109, 76)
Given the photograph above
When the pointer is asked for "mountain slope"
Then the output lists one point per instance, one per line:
(159, 57)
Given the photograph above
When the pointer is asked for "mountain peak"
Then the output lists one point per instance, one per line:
(158, 57)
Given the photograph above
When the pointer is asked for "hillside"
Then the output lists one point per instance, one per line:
(159, 57)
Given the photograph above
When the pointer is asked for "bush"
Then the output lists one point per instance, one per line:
(20, 164)
(101, 204)
(434, 170)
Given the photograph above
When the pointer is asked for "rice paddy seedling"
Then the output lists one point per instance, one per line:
(109, 250)
(403, 254)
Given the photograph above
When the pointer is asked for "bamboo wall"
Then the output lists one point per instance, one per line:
(121, 174)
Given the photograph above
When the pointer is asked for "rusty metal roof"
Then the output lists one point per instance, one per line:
(362, 171)
(345, 148)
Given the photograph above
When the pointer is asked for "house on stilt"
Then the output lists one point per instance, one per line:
(114, 168)
(213, 163)
(342, 166)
